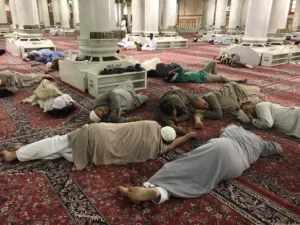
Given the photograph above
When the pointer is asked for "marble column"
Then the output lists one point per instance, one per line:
(14, 16)
(75, 13)
(220, 15)
(151, 17)
(64, 13)
(44, 12)
(204, 15)
(296, 18)
(56, 11)
(3, 17)
(138, 16)
(210, 13)
(234, 16)
(27, 12)
(169, 13)
(113, 22)
(129, 14)
(279, 15)
(258, 19)
(89, 11)
(244, 12)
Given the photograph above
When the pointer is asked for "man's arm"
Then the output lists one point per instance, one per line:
(264, 117)
(182, 140)
(216, 111)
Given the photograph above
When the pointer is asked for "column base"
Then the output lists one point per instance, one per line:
(147, 33)
(233, 30)
(98, 47)
(137, 33)
(219, 31)
(254, 40)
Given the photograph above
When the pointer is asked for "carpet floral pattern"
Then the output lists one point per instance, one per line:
(267, 193)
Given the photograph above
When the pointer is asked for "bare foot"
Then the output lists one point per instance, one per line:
(243, 81)
(139, 194)
(250, 67)
(9, 156)
(199, 125)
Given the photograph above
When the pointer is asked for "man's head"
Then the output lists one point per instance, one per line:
(39, 59)
(200, 103)
(151, 36)
(248, 108)
(168, 108)
(99, 113)
(168, 134)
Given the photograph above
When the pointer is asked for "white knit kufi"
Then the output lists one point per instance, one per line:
(49, 65)
(94, 117)
(168, 133)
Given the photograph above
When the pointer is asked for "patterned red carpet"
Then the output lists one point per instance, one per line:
(49, 192)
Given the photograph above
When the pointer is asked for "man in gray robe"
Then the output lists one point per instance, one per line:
(213, 104)
(110, 106)
(12, 81)
(265, 115)
(199, 171)
(104, 144)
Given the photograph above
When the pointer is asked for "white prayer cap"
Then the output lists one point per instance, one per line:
(25, 56)
(62, 101)
(94, 117)
(49, 65)
(168, 133)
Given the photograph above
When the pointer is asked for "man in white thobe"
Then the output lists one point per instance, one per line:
(151, 44)
(265, 115)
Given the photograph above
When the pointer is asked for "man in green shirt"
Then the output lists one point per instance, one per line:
(207, 75)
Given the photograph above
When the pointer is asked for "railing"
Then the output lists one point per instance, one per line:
(191, 24)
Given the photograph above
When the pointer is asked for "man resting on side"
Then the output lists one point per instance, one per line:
(266, 115)
(109, 106)
(199, 171)
(104, 144)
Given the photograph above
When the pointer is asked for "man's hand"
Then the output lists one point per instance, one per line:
(178, 129)
(134, 119)
(238, 106)
(250, 116)
(199, 125)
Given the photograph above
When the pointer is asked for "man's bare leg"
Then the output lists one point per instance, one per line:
(9, 156)
(139, 194)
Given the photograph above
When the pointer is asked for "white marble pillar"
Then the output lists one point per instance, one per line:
(169, 13)
(210, 13)
(75, 13)
(27, 12)
(244, 12)
(3, 17)
(234, 16)
(117, 15)
(13, 10)
(44, 12)
(220, 15)
(138, 16)
(89, 11)
(64, 13)
(204, 15)
(279, 14)
(151, 17)
(113, 22)
(56, 11)
(129, 14)
(258, 19)
(40, 12)
(296, 18)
